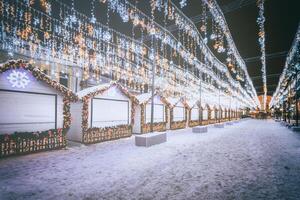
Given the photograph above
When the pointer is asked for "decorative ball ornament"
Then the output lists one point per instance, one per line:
(18, 79)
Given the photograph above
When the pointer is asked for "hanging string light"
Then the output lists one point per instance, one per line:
(292, 65)
(261, 39)
(183, 3)
(70, 42)
(93, 18)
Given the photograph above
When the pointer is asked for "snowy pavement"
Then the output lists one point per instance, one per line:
(254, 159)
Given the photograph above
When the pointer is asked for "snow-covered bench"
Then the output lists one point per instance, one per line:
(150, 139)
(296, 128)
(200, 129)
(219, 125)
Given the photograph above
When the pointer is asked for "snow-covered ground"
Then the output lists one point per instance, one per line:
(250, 160)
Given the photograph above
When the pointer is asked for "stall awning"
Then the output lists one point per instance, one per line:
(93, 89)
(173, 101)
(99, 89)
(143, 98)
(191, 102)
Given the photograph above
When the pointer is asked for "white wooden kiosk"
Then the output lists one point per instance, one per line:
(230, 113)
(202, 119)
(219, 117)
(178, 113)
(35, 110)
(205, 114)
(213, 114)
(142, 117)
(221, 114)
(104, 112)
(228, 117)
(193, 112)
(225, 114)
(233, 116)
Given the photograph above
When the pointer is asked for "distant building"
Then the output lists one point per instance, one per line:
(261, 97)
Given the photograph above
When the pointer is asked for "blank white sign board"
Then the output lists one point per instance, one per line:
(107, 112)
(194, 114)
(158, 115)
(178, 113)
(205, 115)
(26, 112)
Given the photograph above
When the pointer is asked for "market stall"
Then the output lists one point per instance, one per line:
(104, 112)
(221, 114)
(178, 113)
(193, 112)
(226, 114)
(205, 114)
(233, 114)
(35, 110)
(213, 115)
(142, 117)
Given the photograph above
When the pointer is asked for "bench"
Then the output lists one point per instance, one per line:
(229, 123)
(219, 125)
(150, 139)
(296, 128)
(201, 129)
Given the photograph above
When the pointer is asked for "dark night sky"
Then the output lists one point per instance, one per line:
(282, 18)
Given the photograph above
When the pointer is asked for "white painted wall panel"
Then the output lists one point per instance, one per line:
(75, 131)
(195, 114)
(106, 112)
(26, 112)
(178, 113)
(137, 120)
(113, 93)
(158, 115)
(205, 114)
(60, 109)
(157, 100)
(212, 115)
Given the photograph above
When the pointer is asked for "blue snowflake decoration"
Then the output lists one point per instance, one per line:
(18, 79)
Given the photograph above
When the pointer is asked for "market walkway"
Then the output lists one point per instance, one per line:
(250, 160)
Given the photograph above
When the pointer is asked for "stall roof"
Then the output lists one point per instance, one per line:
(93, 89)
(173, 101)
(143, 98)
(204, 104)
(98, 89)
(191, 102)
